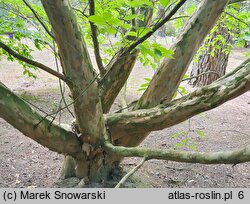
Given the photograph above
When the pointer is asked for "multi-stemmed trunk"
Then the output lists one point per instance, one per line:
(106, 138)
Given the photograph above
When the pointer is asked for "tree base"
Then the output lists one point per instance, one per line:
(137, 180)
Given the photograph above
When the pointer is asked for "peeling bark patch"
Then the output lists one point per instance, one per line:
(171, 113)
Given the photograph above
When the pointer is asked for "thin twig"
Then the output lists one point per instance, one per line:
(155, 28)
(27, 101)
(39, 19)
(193, 77)
(238, 19)
(129, 106)
(95, 39)
(70, 104)
(133, 20)
(32, 62)
(178, 17)
(26, 18)
(60, 83)
(163, 14)
(123, 180)
(78, 10)
(35, 106)
(54, 117)
(236, 1)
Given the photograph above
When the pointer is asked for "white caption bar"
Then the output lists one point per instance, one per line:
(124, 196)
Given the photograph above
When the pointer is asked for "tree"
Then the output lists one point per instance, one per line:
(100, 139)
(212, 58)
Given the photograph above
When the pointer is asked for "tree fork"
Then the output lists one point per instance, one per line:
(171, 71)
(20, 115)
(131, 126)
(120, 67)
(77, 67)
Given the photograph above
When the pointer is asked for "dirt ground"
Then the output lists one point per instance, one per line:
(24, 163)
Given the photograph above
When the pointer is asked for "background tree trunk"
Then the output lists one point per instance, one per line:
(161, 14)
(212, 62)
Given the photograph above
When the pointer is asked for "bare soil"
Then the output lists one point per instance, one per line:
(25, 163)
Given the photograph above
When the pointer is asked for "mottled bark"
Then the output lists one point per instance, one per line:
(118, 71)
(171, 71)
(79, 71)
(171, 113)
(77, 67)
(216, 61)
(19, 114)
(86, 156)
(120, 67)
(230, 157)
(68, 168)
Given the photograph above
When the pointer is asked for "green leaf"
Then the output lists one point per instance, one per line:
(158, 52)
(235, 5)
(164, 2)
(191, 9)
(107, 15)
(182, 143)
(10, 58)
(111, 30)
(179, 23)
(142, 89)
(144, 85)
(175, 135)
(130, 17)
(125, 25)
(183, 90)
(143, 31)
(193, 147)
(200, 133)
(97, 19)
(139, 3)
(175, 95)
(132, 33)
(247, 54)
(147, 79)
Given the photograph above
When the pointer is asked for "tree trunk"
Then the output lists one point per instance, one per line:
(213, 61)
(171, 71)
(87, 153)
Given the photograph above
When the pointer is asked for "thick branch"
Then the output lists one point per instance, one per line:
(118, 72)
(95, 39)
(155, 28)
(171, 71)
(168, 114)
(19, 114)
(120, 67)
(32, 62)
(77, 67)
(229, 157)
(38, 18)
